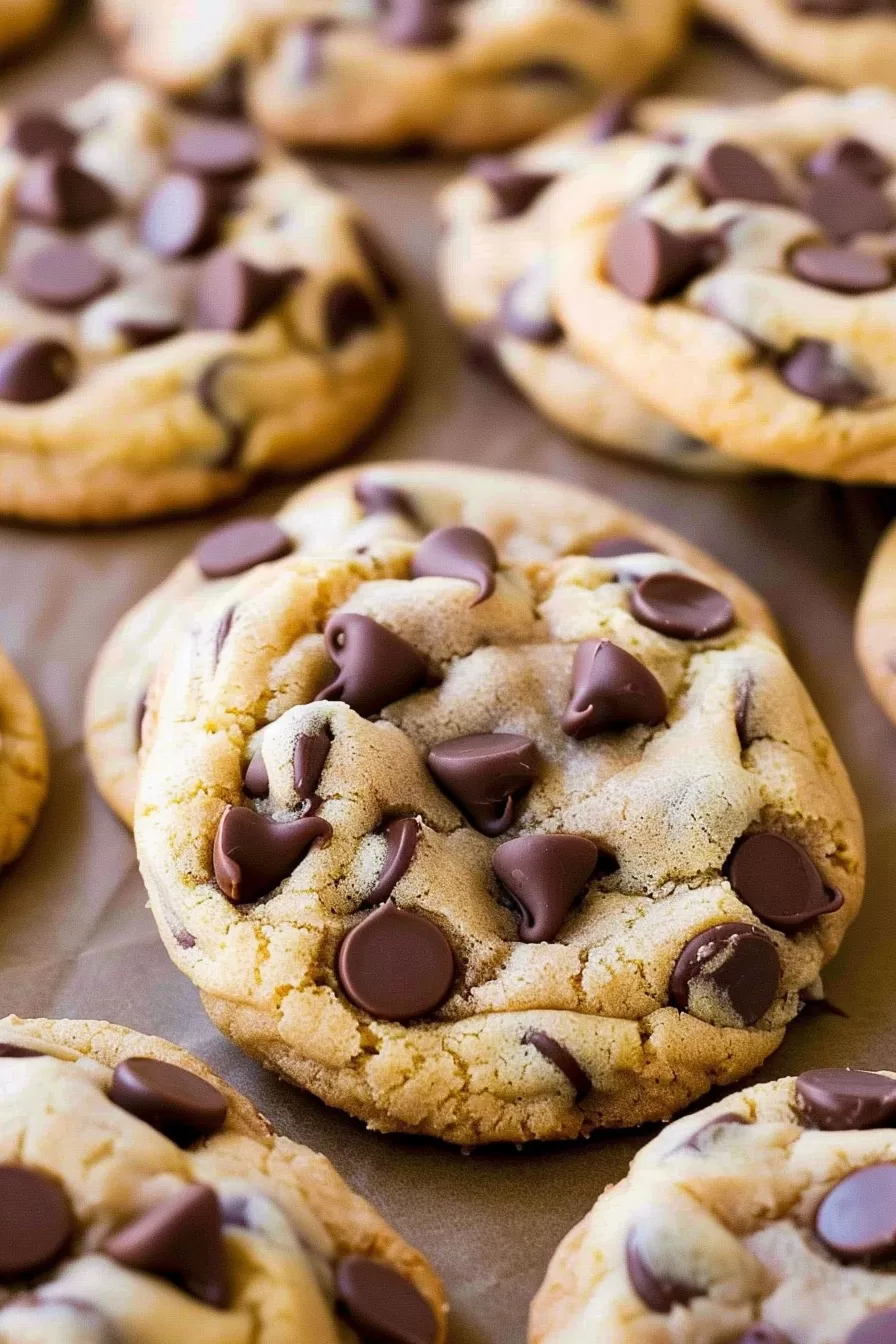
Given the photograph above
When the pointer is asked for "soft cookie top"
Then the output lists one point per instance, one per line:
(491, 849)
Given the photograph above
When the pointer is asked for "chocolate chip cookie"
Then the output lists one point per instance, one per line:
(141, 1198)
(22, 20)
(765, 1219)
(526, 518)
(496, 270)
(876, 624)
(24, 762)
(457, 76)
(494, 845)
(736, 268)
(184, 308)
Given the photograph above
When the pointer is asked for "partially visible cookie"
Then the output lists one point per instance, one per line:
(343, 73)
(24, 762)
(183, 307)
(875, 632)
(21, 20)
(144, 1199)
(764, 1219)
(527, 518)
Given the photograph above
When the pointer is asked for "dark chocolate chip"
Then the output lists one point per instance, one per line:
(813, 370)
(736, 961)
(610, 689)
(525, 311)
(777, 879)
(217, 149)
(376, 496)
(561, 1058)
(649, 262)
(61, 195)
(253, 854)
(63, 275)
(879, 1328)
(377, 259)
(703, 1137)
(223, 630)
(731, 173)
(743, 704)
(396, 964)
(513, 188)
(9, 1051)
(613, 117)
(222, 96)
(857, 1219)
(305, 50)
(382, 1305)
(36, 1222)
(458, 553)
(308, 760)
(850, 156)
(138, 333)
(842, 269)
(35, 369)
(208, 394)
(180, 1240)
(36, 133)
(255, 781)
(237, 547)
(845, 205)
(419, 23)
(376, 666)
(835, 1099)
(348, 310)
(681, 607)
(658, 1293)
(232, 294)
(180, 217)
(172, 1100)
(401, 845)
(545, 875)
(486, 774)
(608, 548)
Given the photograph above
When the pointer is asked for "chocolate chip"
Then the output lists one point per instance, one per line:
(37, 133)
(308, 759)
(63, 275)
(138, 334)
(376, 666)
(305, 49)
(545, 875)
(396, 964)
(222, 96)
(376, 496)
(842, 269)
(879, 1328)
(762, 1334)
(36, 1222)
(9, 1051)
(850, 156)
(232, 294)
(217, 149)
(777, 879)
(845, 205)
(658, 1293)
(458, 553)
(223, 630)
(835, 1099)
(382, 1305)
(208, 394)
(35, 369)
(237, 547)
(253, 854)
(172, 1100)
(735, 961)
(348, 310)
(703, 1137)
(525, 310)
(61, 195)
(613, 117)
(401, 845)
(180, 217)
(486, 774)
(610, 689)
(608, 548)
(514, 189)
(377, 259)
(649, 262)
(742, 706)
(857, 1219)
(814, 370)
(559, 1056)
(180, 1240)
(681, 607)
(255, 781)
(731, 173)
(419, 23)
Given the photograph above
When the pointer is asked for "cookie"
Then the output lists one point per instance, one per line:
(22, 20)
(144, 1199)
(875, 631)
(184, 307)
(24, 762)
(348, 509)
(764, 1219)
(377, 77)
(735, 268)
(491, 847)
(496, 265)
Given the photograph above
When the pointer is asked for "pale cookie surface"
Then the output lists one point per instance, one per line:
(527, 518)
(144, 1201)
(476, 74)
(494, 847)
(496, 266)
(736, 268)
(21, 20)
(182, 307)
(764, 1219)
(24, 762)
(876, 624)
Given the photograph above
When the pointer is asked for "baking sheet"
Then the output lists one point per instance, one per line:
(75, 936)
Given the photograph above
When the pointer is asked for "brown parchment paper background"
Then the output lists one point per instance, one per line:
(75, 936)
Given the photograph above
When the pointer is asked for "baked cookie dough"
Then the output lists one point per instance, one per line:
(21, 20)
(736, 269)
(494, 847)
(764, 1219)
(144, 1200)
(496, 265)
(182, 307)
(876, 624)
(339, 73)
(527, 518)
(24, 762)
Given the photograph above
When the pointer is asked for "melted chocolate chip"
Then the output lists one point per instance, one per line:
(138, 334)
(845, 270)
(703, 1137)
(681, 607)
(777, 879)
(730, 172)
(172, 1100)
(835, 1099)
(545, 875)
(232, 294)
(850, 156)
(742, 706)
(610, 689)
(61, 195)
(418, 23)
(513, 188)
(10, 1051)
(649, 262)
(223, 630)
(180, 1240)
(396, 964)
(736, 962)
(382, 1305)
(35, 133)
(376, 666)
(376, 496)
(208, 394)
(486, 774)
(34, 370)
(526, 312)
(401, 845)
(856, 1220)
(845, 206)
(36, 1222)
(217, 149)
(253, 854)
(240, 546)
(813, 370)
(561, 1058)
(458, 553)
(879, 1328)
(348, 310)
(255, 781)
(180, 217)
(63, 275)
(308, 759)
(656, 1292)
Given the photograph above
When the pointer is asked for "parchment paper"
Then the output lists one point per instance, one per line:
(75, 937)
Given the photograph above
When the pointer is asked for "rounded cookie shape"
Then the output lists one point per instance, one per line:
(187, 307)
(408, 72)
(24, 762)
(500, 841)
(875, 628)
(764, 1219)
(217, 1230)
(525, 517)
(733, 265)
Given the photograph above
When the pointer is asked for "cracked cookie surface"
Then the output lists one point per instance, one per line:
(494, 846)
(24, 762)
(735, 267)
(183, 307)
(875, 631)
(153, 1203)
